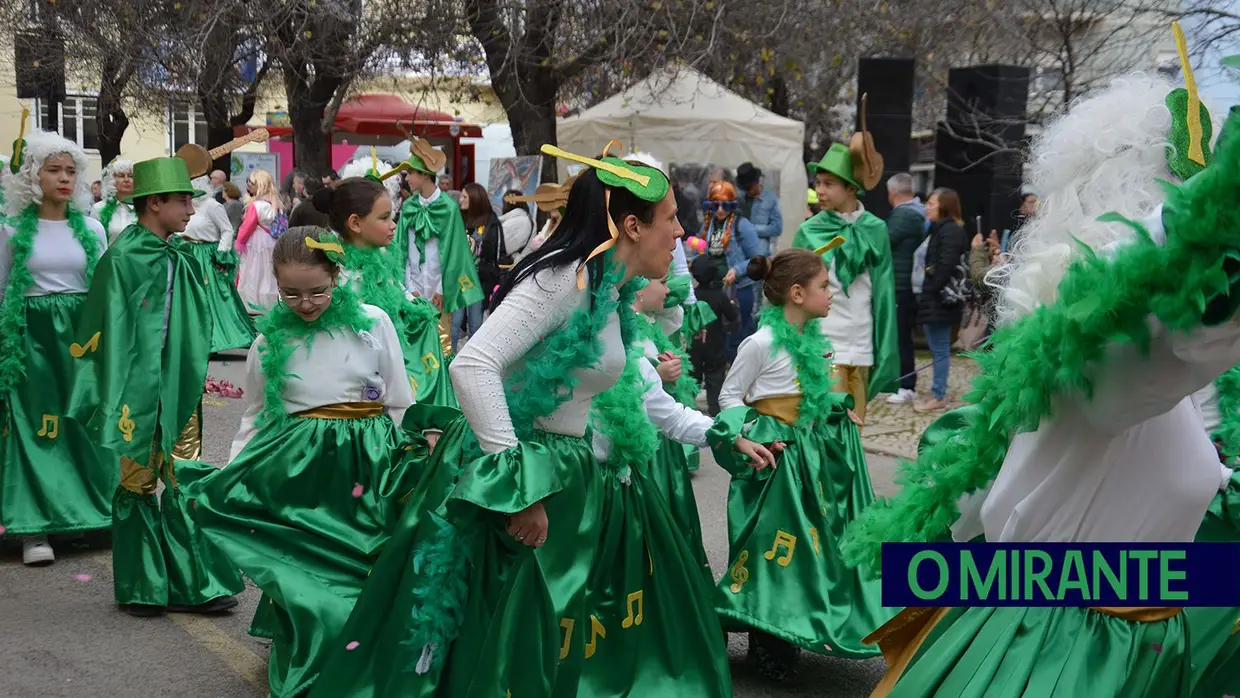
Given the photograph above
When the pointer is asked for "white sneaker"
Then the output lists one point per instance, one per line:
(902, 395)
(36, 551)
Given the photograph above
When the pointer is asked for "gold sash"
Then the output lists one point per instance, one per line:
(343, 410)
(785, 408)
(900, 638)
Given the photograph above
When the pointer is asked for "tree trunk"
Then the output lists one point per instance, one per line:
(308, 100)
(110, 118)
(533, 124)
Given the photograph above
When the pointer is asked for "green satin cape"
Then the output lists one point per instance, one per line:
(287, 512)
(52, 479)
(441, 220)
(866, 248)
(785, 575)
(134, 384)
(231, 326)
(1216, 631)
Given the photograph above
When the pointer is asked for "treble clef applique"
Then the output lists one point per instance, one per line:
(739, 574)
(126, 425)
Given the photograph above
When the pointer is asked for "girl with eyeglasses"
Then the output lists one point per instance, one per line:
(319, 462)
(731, 241)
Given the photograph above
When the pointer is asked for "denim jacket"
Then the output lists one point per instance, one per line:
(745, 244)
(767, 220)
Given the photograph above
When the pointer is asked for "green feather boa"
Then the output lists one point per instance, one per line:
(13, 312)
(381, 287)
(686, 389)
(284, 332)
(1228, 432)
(106, 213)
(1051, 352)
(809, 349)
(620, 412)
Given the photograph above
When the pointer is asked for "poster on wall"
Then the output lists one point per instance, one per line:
(520, 173)
(245, 163)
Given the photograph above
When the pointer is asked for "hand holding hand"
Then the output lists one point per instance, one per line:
(529, 526)
(760, 457)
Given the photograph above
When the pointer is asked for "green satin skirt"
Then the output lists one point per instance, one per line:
(424, 360)
(651, 629)
(1048, 653)
(52, 478)
(231, 326)
(785, 576)
(304, 511)
(669, 475)
(1216, 631)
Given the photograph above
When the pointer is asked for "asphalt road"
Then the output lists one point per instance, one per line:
(61, 636)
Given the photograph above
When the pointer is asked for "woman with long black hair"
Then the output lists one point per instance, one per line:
(493, 583)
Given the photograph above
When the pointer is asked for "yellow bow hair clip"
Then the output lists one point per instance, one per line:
(332, 247)
(834, 243)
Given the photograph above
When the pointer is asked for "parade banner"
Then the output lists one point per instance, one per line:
(1061, 574)
(242, 164)
(521, 173)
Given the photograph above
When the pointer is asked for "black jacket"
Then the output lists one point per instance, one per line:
(907, 229)
(707, 350)
(948, 244)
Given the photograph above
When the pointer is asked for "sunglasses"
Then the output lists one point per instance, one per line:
(712, 206)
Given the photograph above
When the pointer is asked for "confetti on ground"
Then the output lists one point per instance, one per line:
(358, 490)
(82, 577)
(352, 645)
(827, 647)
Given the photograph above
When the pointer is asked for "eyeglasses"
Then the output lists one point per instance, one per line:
(295, 299)
(712, 206)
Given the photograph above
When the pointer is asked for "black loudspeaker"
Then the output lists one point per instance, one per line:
(888, 82)
(998, 91)
(967, 150)
(995, 199)
(39, 62)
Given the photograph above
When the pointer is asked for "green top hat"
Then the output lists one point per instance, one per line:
(838, 161)
(161, 176)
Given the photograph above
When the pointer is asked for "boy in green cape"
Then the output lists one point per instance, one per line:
(431, 243)
(143, 346)
(861, 326)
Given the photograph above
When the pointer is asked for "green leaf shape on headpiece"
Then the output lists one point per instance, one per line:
(1177, 151)
(653, 191)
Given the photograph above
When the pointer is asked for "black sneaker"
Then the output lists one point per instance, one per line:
(219, 605)
(774, 658)
(144, 610)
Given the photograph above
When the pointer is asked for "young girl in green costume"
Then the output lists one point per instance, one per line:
(787, 583)
(318, 463)
(486, 591)
(360, 210)
(52, 480)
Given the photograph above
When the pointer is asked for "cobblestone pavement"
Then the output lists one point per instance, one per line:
(893, 430)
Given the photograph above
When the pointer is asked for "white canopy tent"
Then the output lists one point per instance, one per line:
(682, 117)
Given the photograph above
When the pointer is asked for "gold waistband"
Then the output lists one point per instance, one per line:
(343, 410)
(786, 408)
(1150, 614)
(201, 242)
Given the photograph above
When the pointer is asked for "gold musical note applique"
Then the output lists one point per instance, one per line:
(51, 426)
(413, 383)
(1237, 628)
(813, 538)
(822, 500)
(77, 351)
(465, 282)
(430, 362)
(739, 574)
(596, 631)
(786, 540)
(634, 599)
(125, 425)
(567, 624)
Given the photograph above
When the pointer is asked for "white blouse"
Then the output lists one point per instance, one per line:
(122, 217)
(680, 267)
(1133, 464)
(757, 373)
(424, 276)
(335, 368)
(210, 224)
(57, 261)
(850, 326)
(675, 421)
(534, 310)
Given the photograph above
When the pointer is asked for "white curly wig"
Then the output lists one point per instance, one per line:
(1106, 154)
(359, 168)
(23, 189)
(109, 176)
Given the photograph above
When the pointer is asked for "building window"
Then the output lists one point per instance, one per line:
(186, 124)
(74, 118)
